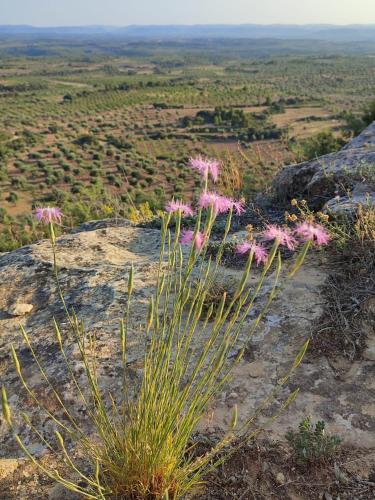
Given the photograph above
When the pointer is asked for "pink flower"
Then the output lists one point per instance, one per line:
(260, 253)
(312, 232)
(220, 204)
(48, 215)
(243, 248)
(238, 207)
(205, 166)
(199, 240)
(282, 235)
(179, 206)
(188, 236)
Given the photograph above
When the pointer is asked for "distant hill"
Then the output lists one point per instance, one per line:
(350, 33)
(286, 32)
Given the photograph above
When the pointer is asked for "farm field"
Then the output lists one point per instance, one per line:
(117, 131)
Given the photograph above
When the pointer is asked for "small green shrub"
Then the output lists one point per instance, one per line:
(85, 139)
(311, 444)
(12, 197)
(318, 145)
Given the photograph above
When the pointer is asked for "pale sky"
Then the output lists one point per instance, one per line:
(125, 12)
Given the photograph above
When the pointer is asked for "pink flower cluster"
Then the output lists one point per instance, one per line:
(48, 215)
(207, 200)
(312, 232)
(179, 206)
(282, 235)
(205, 167)
(304, 231)
(220, 204)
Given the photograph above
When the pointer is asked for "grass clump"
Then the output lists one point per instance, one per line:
(348, 316)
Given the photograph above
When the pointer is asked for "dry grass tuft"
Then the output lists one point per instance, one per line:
(350, 290)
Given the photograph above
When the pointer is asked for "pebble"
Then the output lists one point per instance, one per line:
(20, 309)
(280, 478)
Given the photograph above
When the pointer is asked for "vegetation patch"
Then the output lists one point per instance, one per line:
(349, 293)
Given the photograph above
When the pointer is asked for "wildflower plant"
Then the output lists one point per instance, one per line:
(139, 445)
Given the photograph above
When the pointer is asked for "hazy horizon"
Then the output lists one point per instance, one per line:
(117, 13)
(185, 24)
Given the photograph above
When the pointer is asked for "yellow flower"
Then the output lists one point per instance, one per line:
(250, 231)
(322, 216)
(290, 217)
(107, 210)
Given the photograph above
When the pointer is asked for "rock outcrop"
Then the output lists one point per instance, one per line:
(339, 181)
(94, 262)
